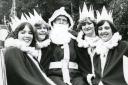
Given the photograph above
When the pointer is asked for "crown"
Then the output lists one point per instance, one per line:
(35, 18)
(15, 21)
(85, 13)
(104, 15)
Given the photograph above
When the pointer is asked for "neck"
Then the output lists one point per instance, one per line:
(91, 35)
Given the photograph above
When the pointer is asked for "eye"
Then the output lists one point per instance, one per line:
(64, 20)
(38, 27)
(57, 19)
(107, 27)
(100, 28)
(30, 32)
(22, 32)
(89, 23)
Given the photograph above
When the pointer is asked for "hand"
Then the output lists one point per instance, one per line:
(89, 78)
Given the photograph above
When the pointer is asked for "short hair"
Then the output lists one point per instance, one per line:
(102, 22)
(80, 24)
(21, 27)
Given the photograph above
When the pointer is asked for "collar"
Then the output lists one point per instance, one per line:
(103, 47)
(43, 44)
(87, 41)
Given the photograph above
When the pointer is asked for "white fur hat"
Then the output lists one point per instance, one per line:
(59, 12)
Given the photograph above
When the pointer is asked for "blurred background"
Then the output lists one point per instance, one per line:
(10, 8)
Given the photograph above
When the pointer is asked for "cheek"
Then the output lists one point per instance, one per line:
(31, 36)
(92, 25)
(20, 36)
(83, 28)
(99, 32)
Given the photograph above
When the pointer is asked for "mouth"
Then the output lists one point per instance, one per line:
(104, 35)
(42, 33)
(27, 39)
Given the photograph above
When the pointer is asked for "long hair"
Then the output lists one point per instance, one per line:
(21, 27)
(102, 22)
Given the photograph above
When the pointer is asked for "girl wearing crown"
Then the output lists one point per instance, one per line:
(86, 41)
(111, 58)
(20, 58)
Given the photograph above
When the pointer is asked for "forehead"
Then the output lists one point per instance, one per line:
(26, 28)
(61, 17)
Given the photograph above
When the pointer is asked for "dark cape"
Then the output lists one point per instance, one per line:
(21, 70)
(84, 61)
(113, 73)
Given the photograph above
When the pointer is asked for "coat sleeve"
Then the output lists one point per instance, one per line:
(84, 62)
(18, 72)
(125, 63)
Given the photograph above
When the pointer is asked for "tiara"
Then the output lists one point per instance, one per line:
(85, 13)
(105, 15)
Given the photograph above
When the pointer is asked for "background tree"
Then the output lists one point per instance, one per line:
(47, 7)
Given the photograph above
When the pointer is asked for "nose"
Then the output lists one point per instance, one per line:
(61, 21)
(27, 35)
(103, 30)
(86, 25)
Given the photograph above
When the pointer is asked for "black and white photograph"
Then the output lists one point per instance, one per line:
(63, 42)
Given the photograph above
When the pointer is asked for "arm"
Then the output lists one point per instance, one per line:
(125, 64)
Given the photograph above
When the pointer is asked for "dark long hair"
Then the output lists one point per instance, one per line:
(21, 27)
(110, 23)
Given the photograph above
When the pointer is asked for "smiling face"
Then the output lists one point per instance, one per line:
(25, 35)
(41, 32)
(105, 32)
(88, 28)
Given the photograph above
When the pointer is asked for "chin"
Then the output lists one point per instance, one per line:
(41, 38)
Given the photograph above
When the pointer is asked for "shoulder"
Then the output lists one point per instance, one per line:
(73, 32)
(123, 44)
(123, 47)
(11, 49)
(12, 54)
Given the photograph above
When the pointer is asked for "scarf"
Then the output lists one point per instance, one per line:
(87, 41)
(43, 44)
(103, 47)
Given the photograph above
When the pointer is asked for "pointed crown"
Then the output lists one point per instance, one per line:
(32, 19)
(85, 13)
(105, 15)
(35, 18)
(15, 21)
